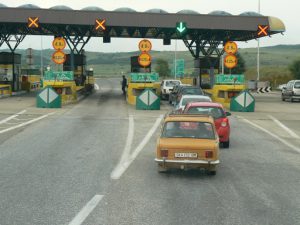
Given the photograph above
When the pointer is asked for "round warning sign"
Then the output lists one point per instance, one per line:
(59, 57)
(230, 47)
(230, 61)
(145, 45)
(144, 59)
(59, 43)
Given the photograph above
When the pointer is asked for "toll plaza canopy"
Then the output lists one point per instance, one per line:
(125, 22)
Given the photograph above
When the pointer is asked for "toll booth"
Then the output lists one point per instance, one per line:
(77, 62)
(226, 87)
(63, 84)
(31, 79)
(205, 69)
(138, 82)
(10, 70)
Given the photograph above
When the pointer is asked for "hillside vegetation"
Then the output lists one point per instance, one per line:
(274, 61)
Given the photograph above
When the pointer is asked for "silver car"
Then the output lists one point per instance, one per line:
(291, 91)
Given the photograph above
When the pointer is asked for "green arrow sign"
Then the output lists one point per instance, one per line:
(181, 27)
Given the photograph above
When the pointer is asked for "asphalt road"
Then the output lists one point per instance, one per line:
(93, 163)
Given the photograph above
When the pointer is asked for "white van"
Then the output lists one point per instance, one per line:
(291, 91)
(167, 87)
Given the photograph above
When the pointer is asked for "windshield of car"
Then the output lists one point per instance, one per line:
(215, 112)
(297, 85)
(188, 100)
(172, 83)
(201, 130)
(192, 91)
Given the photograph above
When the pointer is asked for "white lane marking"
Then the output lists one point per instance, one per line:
(25, 123)
(96, 86)
(12, 117)
(273, 135)
(292, 133)
(86, 210)
(121, 168)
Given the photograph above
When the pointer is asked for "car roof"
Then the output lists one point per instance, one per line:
(204, 104)
(195, 96)
(190, 86)
(189, 118)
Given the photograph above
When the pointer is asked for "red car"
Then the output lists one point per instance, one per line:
(217, 111)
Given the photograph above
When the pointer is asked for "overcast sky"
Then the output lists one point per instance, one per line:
(287, 11)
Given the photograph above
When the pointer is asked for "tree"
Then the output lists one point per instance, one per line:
(162, 68)
(295, 69)
(240, 67)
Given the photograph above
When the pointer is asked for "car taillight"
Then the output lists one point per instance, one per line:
(209, 154)
(164, 153)
(224, 122)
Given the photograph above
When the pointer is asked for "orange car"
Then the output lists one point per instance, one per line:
(188, 141)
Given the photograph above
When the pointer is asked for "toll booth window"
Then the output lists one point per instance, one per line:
(221, 94)
(232, 94)
(137, 92)
(68, 91)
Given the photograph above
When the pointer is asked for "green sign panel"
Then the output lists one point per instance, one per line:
(148, 100)
(181, 27)
(143, 77)
(244, 102)
(59, 75)
(48, 98)
(230, 79)
(179, 68)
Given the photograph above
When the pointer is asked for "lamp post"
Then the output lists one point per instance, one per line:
(258, 59)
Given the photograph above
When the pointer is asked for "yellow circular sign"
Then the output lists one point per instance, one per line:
(230, 47)
(59, 43)
(230, 61)
(144, 59)
(59, 57)
(145, 45)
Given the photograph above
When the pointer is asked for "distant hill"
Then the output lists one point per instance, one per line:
(275, 58)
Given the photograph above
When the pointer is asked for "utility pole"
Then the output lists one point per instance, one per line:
(258, 52)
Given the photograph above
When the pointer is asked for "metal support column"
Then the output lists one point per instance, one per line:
(13, 42)
(204, 48)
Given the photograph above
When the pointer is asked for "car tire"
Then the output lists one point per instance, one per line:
(282, 98)
(226, 144)
(161, 169)
(292, 100)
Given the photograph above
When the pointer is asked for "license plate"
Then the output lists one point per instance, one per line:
(186, 155)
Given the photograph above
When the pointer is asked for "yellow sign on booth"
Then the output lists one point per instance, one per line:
(230, 47)
(144, 59)
(59, 57)
(145, 45)
(230, 61)
(59, 43)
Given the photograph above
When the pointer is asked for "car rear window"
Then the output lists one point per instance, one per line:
(172, 83)
(215, 112)
(186, 129)
(188, 100)
(192, 91)
(297, 85)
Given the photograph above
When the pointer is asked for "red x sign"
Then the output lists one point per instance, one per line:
(33, 22)
(262, 30)
(100, 24)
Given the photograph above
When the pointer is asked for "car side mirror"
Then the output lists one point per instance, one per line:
(283, 88)
(228, 113)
